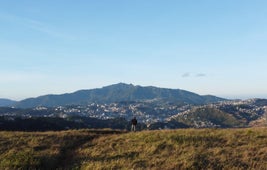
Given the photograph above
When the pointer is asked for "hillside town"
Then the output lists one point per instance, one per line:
(145, 112)
(245, 111)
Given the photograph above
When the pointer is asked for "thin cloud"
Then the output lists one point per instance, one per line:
(201, 75)
(186, 75)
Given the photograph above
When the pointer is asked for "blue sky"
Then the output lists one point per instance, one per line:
(203, 46)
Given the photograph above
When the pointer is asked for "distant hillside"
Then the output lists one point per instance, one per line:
(224, 115)
(117, 93)
(6, 102)
(105, 149)
(209, 117)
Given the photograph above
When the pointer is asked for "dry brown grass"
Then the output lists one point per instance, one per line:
(166, 149)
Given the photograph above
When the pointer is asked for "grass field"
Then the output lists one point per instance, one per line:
(109, 149)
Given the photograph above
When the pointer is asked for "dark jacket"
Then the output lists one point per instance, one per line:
(134, 121)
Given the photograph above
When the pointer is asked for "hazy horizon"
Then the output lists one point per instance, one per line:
(206, 47)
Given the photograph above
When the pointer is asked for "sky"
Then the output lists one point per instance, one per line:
(203, 46)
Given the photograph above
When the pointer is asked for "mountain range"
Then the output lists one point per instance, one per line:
(118, 93)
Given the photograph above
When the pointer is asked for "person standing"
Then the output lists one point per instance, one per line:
(134, 123)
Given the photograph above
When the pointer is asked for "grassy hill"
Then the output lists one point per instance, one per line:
(109, 149)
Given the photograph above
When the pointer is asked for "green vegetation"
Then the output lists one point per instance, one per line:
(109, 149)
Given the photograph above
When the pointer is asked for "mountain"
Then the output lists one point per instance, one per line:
(6, 102)
(117, 93)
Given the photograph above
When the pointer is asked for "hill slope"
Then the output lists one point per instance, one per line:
(6, 102)
(244, 113)
(117, 93)
(104, 149)
(209, 117)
